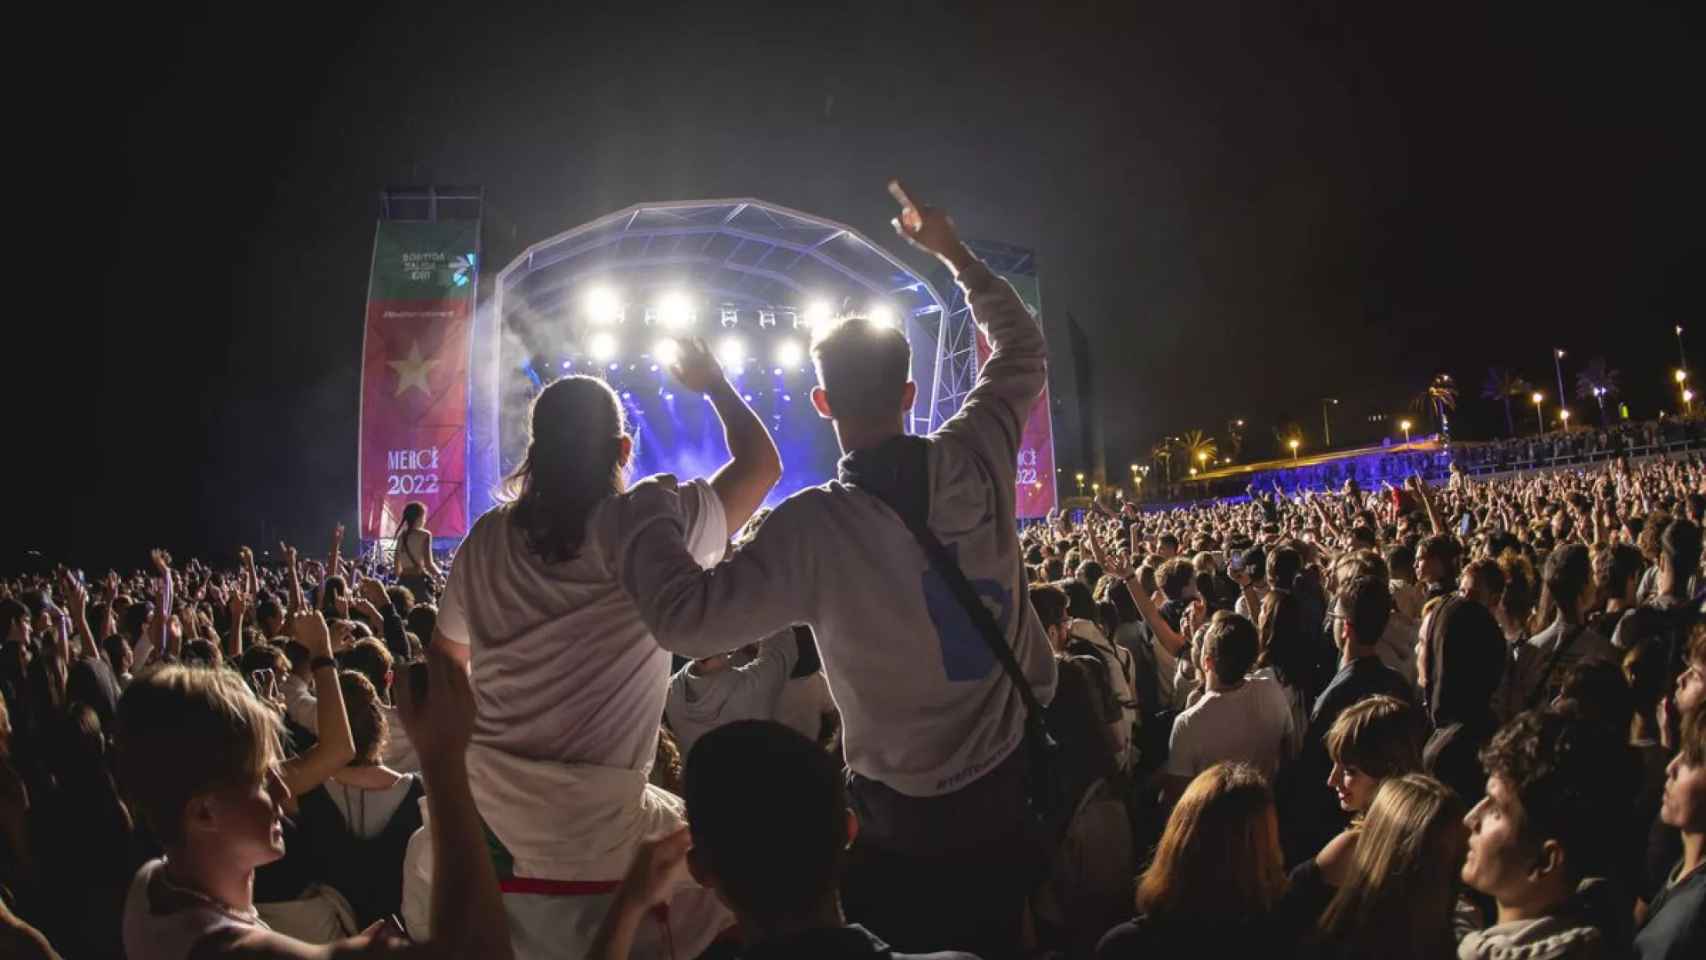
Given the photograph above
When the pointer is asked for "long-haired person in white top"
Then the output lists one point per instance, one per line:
(569, 682)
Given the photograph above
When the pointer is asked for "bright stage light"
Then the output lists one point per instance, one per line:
(602, 305)
(817, 313)
(602, 346)
(675, 311)
(666, 351)
(882, 316)
(731, 316)
(789, 353)
(732, 353)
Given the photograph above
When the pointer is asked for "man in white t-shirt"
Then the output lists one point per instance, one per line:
(1237, 718)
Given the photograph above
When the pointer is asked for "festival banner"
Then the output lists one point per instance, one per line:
(414, 376)
(1034, 489)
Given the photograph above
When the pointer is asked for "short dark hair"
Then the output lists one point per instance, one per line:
(1441, 545)
(1232, 643)
(1050, 603)
(369, 658)
(1401, 559)
(1367, 603)
(1600, 691)
(1571, 778)
(1255, 561)
(863, 368)
(1487, 576)
(768, 811)
(421, 620)
(1680, 544)
(1615, 565)
(1175, 575)
(1168, 540)
(1079, 602)
(1567, 574)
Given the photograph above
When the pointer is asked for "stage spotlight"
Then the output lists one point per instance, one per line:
(766, 318)
(777, 371)
(732, 353)
(675, 311)
(731, 316)
(882, 316)
(817, 314)
(602, 306)
(789, 353)
(602, 346)
(667, 351)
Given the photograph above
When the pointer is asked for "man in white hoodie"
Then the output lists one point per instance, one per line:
(932, 725)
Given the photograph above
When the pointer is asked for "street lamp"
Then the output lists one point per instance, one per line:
(1193, 471)
(1326, 424)
(1681, 354)
(1564, 418)
(1539, 422)
(1080, 484)
(1681, 376)
(1558, 364)
(1293, 444)
(1404, 425)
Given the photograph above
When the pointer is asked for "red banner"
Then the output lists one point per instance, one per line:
(414, 415)
(1034, 489)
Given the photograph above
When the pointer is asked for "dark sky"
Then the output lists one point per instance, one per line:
(1249, 206)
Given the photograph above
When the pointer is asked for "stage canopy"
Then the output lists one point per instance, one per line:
(752, 278)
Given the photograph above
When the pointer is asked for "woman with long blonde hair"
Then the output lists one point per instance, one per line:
(1397, 898)
(1217, 875)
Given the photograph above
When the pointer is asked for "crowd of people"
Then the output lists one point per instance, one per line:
(651, 720)
(1641, 438)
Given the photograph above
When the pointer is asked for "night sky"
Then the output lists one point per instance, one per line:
(1248, 206)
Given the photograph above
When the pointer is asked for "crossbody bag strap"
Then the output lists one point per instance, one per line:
(966, 594)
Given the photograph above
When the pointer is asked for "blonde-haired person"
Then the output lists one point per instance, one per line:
(1217, 876)
(1373, 740)
(1401, 885)
(200, 756)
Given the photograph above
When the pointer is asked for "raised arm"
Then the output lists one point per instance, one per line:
(757, 590)
(1172, 639)
(297, 600)
(754, 465)
(336, 747)
(334, 562)
(77, 609)
(992, 419)
(238, 605)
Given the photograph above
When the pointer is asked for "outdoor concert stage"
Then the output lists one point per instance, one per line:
(605, 299)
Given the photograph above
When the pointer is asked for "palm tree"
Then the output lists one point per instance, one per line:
(1198, 448)
(1439, 397)
(1505, 385)
(1598, 382)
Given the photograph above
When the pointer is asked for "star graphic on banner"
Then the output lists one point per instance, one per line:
(412, 370)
